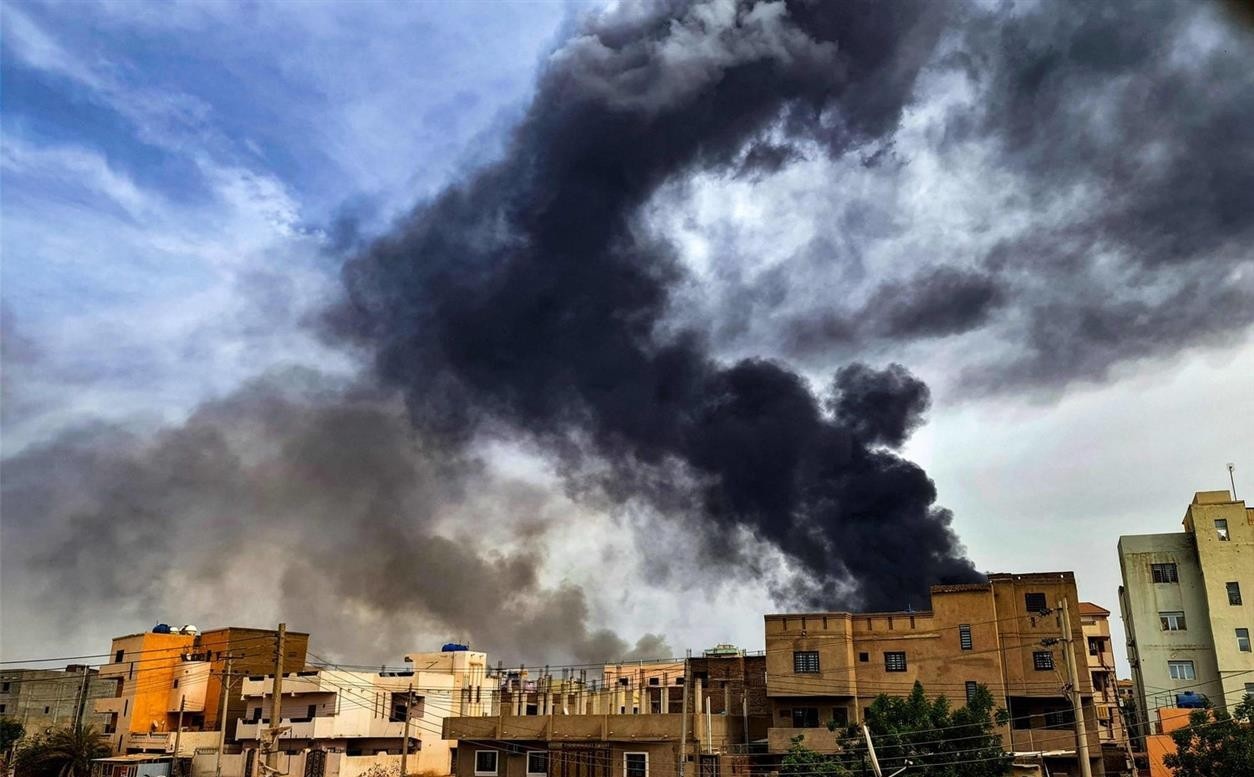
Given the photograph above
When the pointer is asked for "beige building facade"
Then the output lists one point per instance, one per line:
(1187, 607)
(829, 666)
(362, 714)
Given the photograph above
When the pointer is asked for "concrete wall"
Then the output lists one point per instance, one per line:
(40, 698)
(1224, 561)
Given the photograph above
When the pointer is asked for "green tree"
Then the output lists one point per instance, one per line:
(10, 732)
(801, 761)
(61, 752)
(938, 740)
(1215, 743)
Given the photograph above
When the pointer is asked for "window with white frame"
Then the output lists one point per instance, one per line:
(1243, 640)
(1181, 670)
(537, 762)
(1172, 621)
(485, 762)
(635, 765)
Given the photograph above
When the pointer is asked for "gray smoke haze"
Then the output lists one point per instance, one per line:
(1104, 152)
(372, 535)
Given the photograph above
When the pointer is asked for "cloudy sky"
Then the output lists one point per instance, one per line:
(1042, 212)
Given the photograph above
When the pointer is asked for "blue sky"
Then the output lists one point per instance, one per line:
(178, 179)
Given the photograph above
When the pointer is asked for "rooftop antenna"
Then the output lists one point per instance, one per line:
(1232, 480)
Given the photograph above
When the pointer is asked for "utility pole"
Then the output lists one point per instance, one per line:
(1232, 479)
(409, 703)
(226, 692)
(276, 703)
(683, 737)
(82, 699)
(1077, 705)
(178, 734)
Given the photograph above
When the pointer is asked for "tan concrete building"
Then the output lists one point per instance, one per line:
(1095, 621)
(629, 722)
(44, 698)
(360, 713)
(1187, 606)
(830, 666)
(157, 673)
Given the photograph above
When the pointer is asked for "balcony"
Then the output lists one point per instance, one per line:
(329, 727)
(163, 741)
(110, 705)
(583, 728)
(818, 739)
(304, 682)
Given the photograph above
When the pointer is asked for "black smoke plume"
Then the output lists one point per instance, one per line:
(528, 295)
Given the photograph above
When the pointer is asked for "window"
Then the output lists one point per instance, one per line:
(538, 762)
(964, 637)
(635, 765)
(117, 657)
(1063, 717)
(2, 707)
(655, 681)
(1043, 661)
(47, 710)
(864, 657)
(176, 682)
(125, 703)
(1164, 573)
(1243, 640)
(972, 685)
(805, 661)
(312, 711)
(1249, 689)
(4, 687)
(805, 717)
(1234, 594)
(1035, 602)
(840, 716)
(894, 661)
(1221, 529)
(624, 681)
(1095, 646)
(1171, 621)
(485, 762)
(1181, 670)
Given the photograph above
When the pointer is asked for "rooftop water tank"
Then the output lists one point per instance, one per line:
(454, 647)
(161, 628)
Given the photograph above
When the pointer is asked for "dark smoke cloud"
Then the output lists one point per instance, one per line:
(294, 484)
(527, 294)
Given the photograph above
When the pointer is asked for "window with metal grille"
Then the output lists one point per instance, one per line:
(1164, 573)
(864, 657)
(805, 661)
(805, 717)
(964, 637)
(1043, 660)
(1181, 670)
(635, 765)
(1063, 717)
(972, 685)
(485, 762)
(1172, 621)
(894, 661)
(538, 762)
(1035, 602)
(1234, 593)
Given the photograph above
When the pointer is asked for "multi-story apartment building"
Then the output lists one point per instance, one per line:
(356, 713)
(162, 674)
(830, 666)
(44, 698)
(1187, 602)
(627, 723)
(1095, 621)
